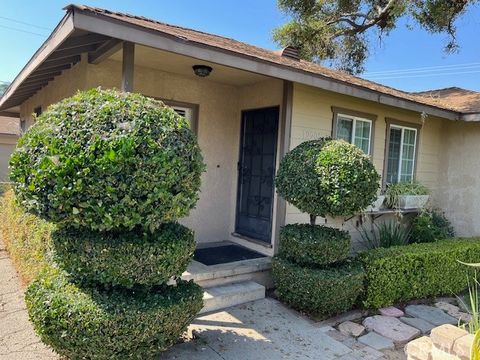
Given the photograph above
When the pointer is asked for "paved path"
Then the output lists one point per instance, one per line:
(17, 338)
(263, 329)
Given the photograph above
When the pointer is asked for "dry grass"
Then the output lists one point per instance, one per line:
(26, 237)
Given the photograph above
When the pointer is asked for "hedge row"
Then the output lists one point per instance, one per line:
(319, 291)
(88, 323)
(417, 271)
(126, 258)
(319, 245)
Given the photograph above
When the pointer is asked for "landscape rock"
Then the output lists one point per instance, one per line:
(378, 342)
(424, 326)
(351, 329)
(391, 328)
(419, 348)
(447, 307)
(391, 311)
(443, 337)
(431, 314)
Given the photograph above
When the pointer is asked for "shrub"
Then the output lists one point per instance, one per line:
(386, 234)
(416, 271)
(108, 160)
(403, 188)
(431, 225)
(313, 245)
(124, 259)
(322, 292)
(27, 238)
(327, 177)
(86, 323)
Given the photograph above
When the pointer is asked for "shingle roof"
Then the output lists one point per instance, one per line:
(453, 103)
(9, 126)
(466, 101)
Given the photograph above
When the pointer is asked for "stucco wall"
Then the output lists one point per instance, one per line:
(312, 118)
(459, 176)
(219, 119)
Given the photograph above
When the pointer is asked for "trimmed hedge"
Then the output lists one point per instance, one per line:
(327, 177)
(108, 160)
(124, 259)
(417, 271)
(319, 245)
(86, 323)
(318, 291)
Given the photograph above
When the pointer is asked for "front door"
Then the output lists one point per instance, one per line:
(256, 171)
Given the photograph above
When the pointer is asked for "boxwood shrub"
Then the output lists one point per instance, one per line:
(124, 259)
(417, 271)
(327, 177)
(108, 160)
(321, 292)
(87, 323)
(319, 245)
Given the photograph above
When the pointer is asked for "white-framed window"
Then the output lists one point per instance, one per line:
(401, 154)
(355, 130)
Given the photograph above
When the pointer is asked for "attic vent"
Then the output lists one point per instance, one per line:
(291, 52)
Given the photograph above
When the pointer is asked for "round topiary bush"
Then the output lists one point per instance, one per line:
(108, 160)
(318, 291)
(317, 245)
(124, 259)
(87, 323)
(327, 177)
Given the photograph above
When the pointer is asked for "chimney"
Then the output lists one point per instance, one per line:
(291, 53)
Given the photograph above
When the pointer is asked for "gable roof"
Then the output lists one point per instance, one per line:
(9, 126)
(466, 101)
(248, 57)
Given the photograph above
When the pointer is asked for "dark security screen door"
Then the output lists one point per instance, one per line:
(256, 171)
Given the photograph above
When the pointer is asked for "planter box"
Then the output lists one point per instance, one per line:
(377, 205)
(412, 201)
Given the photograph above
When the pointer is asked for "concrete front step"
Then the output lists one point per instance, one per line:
(223, 296)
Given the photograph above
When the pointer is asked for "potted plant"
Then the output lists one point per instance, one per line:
(377, 205)
(407, 195)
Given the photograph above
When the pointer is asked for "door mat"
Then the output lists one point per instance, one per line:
(225, 254)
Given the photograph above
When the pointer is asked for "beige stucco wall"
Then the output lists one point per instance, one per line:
(7, 145)
(459, 176)
(219, 119)
(312, 118)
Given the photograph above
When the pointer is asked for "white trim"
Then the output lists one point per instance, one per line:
(403, 128)
(354, 120)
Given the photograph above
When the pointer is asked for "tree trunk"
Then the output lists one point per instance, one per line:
(312, 219)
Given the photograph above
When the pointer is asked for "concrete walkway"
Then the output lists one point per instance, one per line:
(18, 341)
(264, 329)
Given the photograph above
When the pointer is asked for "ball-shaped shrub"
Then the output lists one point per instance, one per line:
(108, 160)
(327, 177)
(318, 291)
(317, 245)
(124, 259)
(88, 323)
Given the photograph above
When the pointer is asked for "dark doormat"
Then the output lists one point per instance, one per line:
(224, 254)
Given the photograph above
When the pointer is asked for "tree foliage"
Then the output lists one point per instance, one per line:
(3, 87)
(337, 30)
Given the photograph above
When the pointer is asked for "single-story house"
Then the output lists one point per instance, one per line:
(249, 106)
(9, 133)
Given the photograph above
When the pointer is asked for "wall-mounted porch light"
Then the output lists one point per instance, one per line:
(202, 70)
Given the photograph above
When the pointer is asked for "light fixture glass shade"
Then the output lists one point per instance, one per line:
(202, 70)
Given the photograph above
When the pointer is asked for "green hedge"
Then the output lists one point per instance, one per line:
(108, 160)
(85, 323)
(321, 292)
(305, 244)
(124, 259)
(417, 271)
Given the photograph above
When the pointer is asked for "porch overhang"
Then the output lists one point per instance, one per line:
(83, 31)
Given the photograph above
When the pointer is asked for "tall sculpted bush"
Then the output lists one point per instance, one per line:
(114, 171)
(323, 177)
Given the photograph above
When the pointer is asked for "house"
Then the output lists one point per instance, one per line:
(249, 106)
(9, 133)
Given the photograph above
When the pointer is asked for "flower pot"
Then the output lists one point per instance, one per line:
(406, 202)
(377, 205)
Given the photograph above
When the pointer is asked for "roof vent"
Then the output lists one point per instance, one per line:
(291, 52)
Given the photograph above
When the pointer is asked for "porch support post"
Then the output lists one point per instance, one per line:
(285, 133)
(127, 66)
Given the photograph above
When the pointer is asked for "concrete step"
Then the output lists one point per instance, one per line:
(223, 296)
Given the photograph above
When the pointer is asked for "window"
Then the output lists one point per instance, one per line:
(354, 127)
(37, 111)
(401, 153)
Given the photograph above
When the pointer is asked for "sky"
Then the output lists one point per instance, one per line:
(410, 60)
